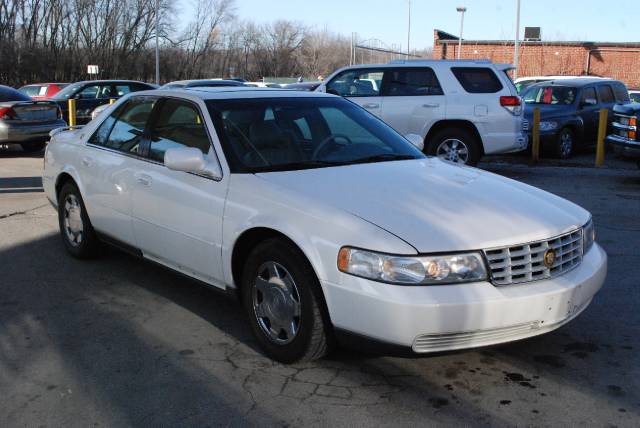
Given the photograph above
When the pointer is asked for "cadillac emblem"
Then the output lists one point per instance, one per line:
(549, 258)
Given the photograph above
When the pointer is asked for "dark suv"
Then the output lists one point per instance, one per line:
(93, 93)
(569, 111)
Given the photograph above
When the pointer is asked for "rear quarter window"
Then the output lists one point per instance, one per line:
(477, 80)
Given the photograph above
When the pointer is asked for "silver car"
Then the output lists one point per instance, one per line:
(27, 122)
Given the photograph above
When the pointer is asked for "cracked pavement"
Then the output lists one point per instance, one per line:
(118, 341)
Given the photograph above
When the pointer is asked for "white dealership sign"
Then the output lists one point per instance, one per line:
(92, 69)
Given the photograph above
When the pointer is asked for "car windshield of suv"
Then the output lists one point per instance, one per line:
(280, 134)
(67, 92)
(556, 95)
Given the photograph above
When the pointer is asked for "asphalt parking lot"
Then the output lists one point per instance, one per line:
(121, 342)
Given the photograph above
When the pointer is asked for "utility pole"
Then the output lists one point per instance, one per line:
(409, 32)
(157, 42)
(462, 10)
(517, 41)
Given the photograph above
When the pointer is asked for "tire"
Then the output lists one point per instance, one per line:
(33, 147)
(269, 299)
(466, 145)
(565, 144)
(76, 230)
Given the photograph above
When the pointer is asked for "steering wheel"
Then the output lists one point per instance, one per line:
(326, 141)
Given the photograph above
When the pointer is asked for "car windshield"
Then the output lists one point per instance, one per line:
(555, 95)
(280, 134)
(66, 92)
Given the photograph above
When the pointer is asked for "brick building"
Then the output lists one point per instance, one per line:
(538, 58)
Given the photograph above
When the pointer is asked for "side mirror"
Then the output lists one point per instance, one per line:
(190, 159)
(416, 140)
(589, 102)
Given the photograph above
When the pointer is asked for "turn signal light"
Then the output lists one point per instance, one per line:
(633, 121)
(632, 135)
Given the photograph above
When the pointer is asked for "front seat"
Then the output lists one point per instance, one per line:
(274, 145)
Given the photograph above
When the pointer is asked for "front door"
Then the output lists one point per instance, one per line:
(590, 113)
(177, 216)
(362, 86)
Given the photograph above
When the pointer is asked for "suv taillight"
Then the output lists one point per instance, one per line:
(7, 113)
(512, 103)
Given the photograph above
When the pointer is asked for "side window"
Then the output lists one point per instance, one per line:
(178, 124)
(357, 83)
(606, 94)
(588, 93)
(477, 80)
(89, 92)
(411, 82)
(621, 93)
(124, 128)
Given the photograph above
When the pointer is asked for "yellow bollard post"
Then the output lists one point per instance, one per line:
(72, 112)
(112, 100)
(602, 133)
(535, 136)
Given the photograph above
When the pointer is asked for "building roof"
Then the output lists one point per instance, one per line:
(445, 38)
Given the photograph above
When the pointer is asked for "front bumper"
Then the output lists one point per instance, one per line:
(624, 146)
(442, 318)
(22, 133)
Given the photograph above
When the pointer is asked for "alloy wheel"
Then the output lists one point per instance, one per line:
(453, 150)
(72, 217)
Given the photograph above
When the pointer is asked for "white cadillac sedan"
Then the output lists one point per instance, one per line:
(330, 226)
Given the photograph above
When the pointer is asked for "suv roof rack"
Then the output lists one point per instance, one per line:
(415, 61)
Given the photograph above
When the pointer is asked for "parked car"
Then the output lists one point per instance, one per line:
(303, 86)
(26, 122)
(325, 221)
(523, 83)
(42, 91)
(634, 94)
(462, 109)
(199, 83)
(625, 134)
(569, 111)
(93, 93)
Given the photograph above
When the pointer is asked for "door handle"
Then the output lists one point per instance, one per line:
(371, 105)
(86, 162)
(431, 105)
(143, 179)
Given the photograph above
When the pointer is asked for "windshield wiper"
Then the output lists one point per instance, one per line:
(293, 166)
(379, 158)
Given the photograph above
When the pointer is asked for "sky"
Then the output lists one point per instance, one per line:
(586, 20)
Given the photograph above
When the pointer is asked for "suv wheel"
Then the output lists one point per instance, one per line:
(33, 147)
(455, 145)
(564, 144)
(77, 233)
(281, 296)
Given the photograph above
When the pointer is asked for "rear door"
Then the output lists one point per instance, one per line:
(107, 166)
(412, 100)
(360, 85)
(177, 216)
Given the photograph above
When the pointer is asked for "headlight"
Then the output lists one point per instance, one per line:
(437, 269)
(548, 126)
(588, 235)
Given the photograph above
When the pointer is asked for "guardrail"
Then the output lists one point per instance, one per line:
(602, 133)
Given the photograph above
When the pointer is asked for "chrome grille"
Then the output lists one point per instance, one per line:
(525, 263)
(525, 125)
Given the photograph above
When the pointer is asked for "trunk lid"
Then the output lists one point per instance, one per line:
(35, 111)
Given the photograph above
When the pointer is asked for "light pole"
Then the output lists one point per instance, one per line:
(157, 43)
(409, 31)
(462, 10)
(517, 41)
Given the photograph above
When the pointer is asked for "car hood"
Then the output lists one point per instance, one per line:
(435, 206)
(628, 109)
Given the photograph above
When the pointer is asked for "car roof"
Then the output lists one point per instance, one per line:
(578, 82)
(98, 82)
(234, 92)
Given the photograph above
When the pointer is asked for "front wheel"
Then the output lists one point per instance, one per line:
(455, 145)
(564, 147)
(282, 299)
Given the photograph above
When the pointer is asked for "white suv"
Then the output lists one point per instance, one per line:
(462, 109)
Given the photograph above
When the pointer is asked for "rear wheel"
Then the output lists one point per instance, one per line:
(455, 145)
(282, 299)
(33, 147)
(77, 233)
